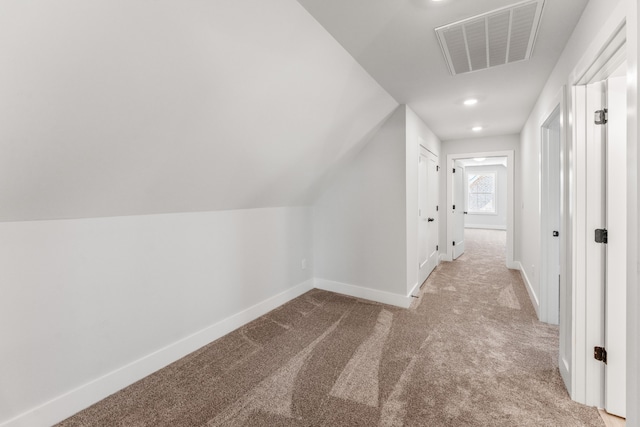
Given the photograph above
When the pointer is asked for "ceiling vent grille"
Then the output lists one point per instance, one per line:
(494, 38)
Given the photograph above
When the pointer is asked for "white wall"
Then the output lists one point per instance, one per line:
(82, 299)
(498, 220)
(633, 220)
(480, 145)
(417, 134)
(365, 219)
(120, 109)
(359, 222)
(126, 107)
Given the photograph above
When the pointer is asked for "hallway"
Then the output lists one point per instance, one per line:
(468, 352)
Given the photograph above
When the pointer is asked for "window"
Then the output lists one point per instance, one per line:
(482, 192)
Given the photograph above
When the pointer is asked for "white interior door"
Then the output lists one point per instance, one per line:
(459, 207)
(423, 215)
(616, 257)
(432, 211)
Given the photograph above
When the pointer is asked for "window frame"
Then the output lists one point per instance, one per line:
(495, 193)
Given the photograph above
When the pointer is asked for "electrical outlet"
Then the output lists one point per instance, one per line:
(304, 263)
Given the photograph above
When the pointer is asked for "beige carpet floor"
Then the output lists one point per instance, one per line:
(469, 352)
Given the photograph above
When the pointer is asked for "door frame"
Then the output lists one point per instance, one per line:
(451, 158)
(547, 300)
(584, 379)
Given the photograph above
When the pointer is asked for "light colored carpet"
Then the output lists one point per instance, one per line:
(469, 352)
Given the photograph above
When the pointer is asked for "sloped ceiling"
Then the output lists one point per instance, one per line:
(114, 107)
(395, 42)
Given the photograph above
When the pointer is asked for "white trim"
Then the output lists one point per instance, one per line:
(532, 294)
(509, 154)
(67, 404)
(415, 288)
(486, 227)
(364, 293)
(445, 258)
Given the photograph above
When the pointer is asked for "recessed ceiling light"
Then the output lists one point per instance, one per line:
(476, 128)
(471, 101)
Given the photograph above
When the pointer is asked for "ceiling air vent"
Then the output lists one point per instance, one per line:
(494, 38)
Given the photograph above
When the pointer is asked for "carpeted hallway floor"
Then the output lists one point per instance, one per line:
(469, 352)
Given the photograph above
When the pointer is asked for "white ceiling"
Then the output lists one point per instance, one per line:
(394, 40)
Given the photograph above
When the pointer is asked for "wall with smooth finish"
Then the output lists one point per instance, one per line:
(135, 107)
(633, 219)
(359, 220)
(481, 145)
(497, 221)
(91, 305)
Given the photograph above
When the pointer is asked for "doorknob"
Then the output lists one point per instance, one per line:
(556, 234)
(431, 220)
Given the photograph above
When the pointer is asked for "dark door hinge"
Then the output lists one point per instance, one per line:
(454, 243)
(599, 353)
(437, 168)
(454, 170)
(601, 235)
(454, 207)
(437, 248)
(602, 117)
(436, 208)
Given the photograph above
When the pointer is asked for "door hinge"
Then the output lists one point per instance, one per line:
(436, 208)
(437, 247)
(602, 117)
(454, 207)
(602, 235)
(454, 243)
(599, 353)
(454, 170)
(437, 168)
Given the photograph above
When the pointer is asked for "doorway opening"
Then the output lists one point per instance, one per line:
(479, 196)
(552, 232)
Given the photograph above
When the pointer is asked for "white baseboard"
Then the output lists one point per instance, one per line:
(486, 227)
(414, 289)
(445, 257)
(532, 294)
(86, 395)
(364, 293)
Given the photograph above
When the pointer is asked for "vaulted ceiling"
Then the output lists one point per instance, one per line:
(395, 41)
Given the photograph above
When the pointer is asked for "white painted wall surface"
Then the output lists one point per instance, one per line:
(115, 107)
(498, 220)
(359, 220)
(480, 145)
(417, 134)
(594, 16)
(633, 219)
(84, 298)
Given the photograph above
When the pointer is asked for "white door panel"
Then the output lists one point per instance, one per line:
(616, 269)
(459, 201)
(427, 214)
